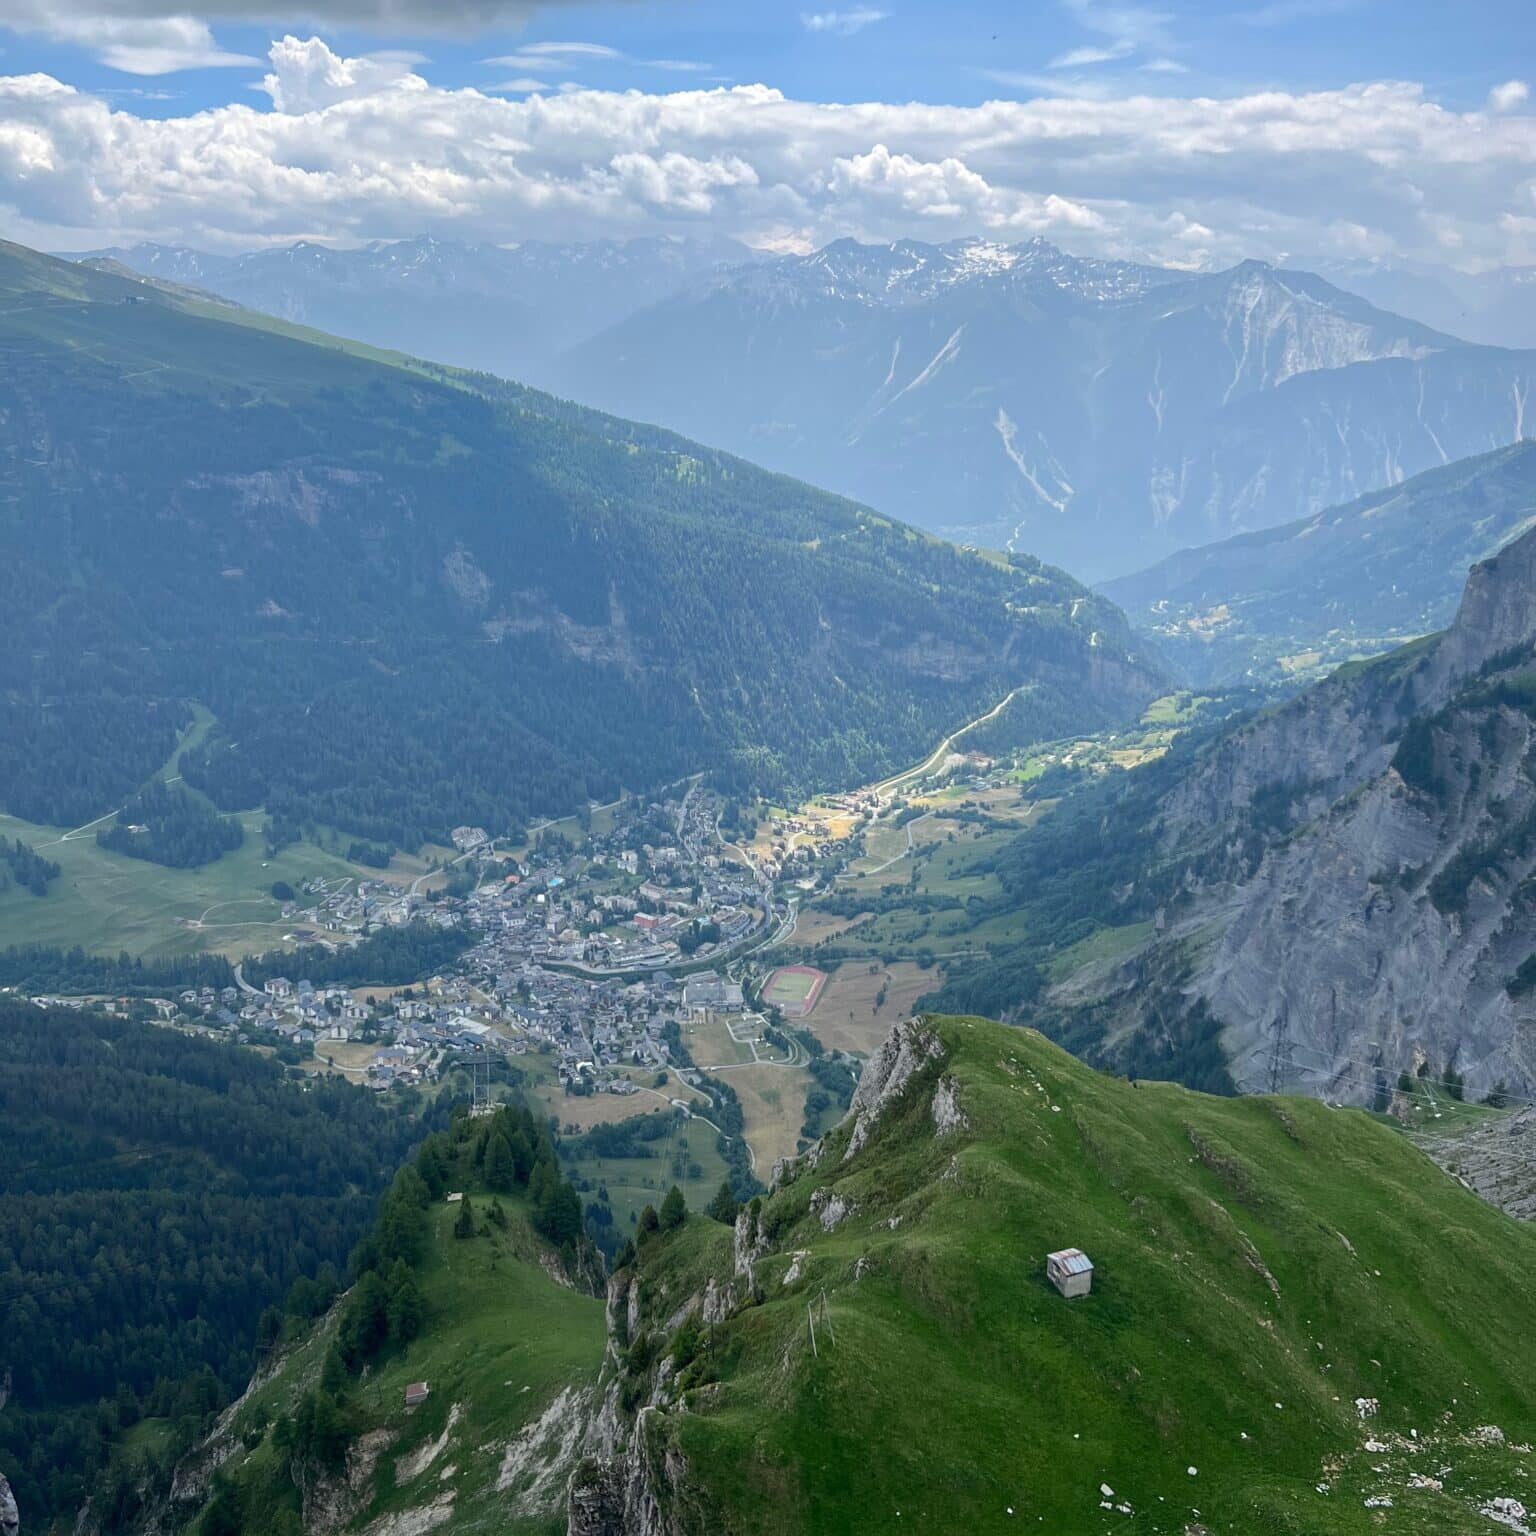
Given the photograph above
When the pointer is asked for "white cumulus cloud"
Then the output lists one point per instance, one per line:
(352, 148)
(1506, 97)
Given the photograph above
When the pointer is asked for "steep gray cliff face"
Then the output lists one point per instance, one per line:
(10, 1519)
(1342, 733)
(1395, 899)
(1497, 614)
(624, 1484)
(1339, 961)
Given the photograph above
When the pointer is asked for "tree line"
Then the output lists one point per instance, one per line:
(26, 867)
(165, 825)
(511, 1154)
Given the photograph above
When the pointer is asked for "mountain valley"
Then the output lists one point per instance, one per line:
(1342, 584)
(673, 863)
(351, 560)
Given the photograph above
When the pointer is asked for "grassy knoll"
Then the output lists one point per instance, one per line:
(1298, 1326)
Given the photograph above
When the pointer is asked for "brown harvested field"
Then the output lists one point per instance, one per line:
(811, 928)
(772, 1110)
(582, 1113)
(848, 1017)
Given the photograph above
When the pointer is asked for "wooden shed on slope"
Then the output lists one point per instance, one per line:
(1070, 1270)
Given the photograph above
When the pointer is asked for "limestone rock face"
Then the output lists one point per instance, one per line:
(1497, 613)
(720, 1301)
(749, 1243)
(1344, 965)
(596, 1506)
(947, 1114)
(909, 1047)
(10, 1516)
(624, 1485)
(1384, 923)
(830, 1209)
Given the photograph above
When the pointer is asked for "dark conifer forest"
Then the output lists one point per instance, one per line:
(157, 1192)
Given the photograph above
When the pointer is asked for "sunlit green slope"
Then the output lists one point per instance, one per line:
(1294, 1318)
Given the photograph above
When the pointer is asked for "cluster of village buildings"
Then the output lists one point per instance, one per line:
(596, 957)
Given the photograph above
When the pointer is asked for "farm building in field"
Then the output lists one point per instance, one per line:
(1070, 1270)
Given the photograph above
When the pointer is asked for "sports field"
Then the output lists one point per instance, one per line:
(794, 990)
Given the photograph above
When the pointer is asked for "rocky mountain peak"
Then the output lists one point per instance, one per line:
(1497, 613)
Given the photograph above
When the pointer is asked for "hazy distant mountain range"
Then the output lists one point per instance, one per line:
(1100, 414)
(506, 311)
(1497, 307)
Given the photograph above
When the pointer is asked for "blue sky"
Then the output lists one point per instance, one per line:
(1319, 130)
(961, 52)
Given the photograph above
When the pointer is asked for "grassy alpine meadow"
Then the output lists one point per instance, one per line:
(1288, 1329)
(106, 902)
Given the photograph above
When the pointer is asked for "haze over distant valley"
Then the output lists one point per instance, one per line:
(1100, 414)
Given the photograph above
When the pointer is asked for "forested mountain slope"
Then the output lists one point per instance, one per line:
(1340, 891)
(158, 1192)
(1098, 413)
(484, 1297)
(414, 599)
(1349, 581)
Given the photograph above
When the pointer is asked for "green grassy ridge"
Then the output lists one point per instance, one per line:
(501, 1341)
(960, 1385)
